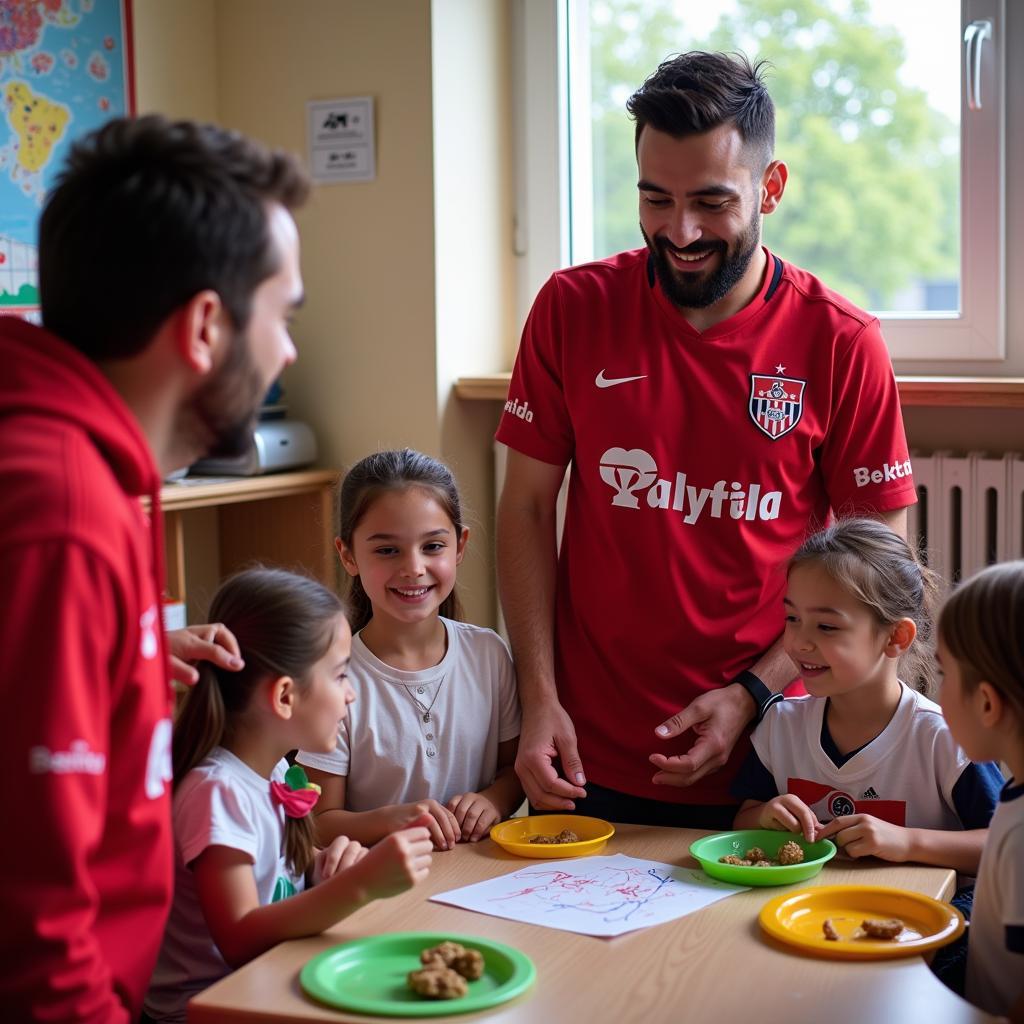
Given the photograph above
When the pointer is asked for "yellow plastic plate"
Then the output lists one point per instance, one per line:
(796, 919)
(514, 835)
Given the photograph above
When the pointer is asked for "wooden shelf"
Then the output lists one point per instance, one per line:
(937, 392)
(203, 492)
(491, 386)
(962, 392)
(215, 525)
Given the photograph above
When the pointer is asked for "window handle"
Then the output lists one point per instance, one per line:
(974, 36)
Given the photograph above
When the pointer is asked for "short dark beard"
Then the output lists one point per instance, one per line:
(219, 419)
(702, 291)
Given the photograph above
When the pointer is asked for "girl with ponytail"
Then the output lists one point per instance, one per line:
(244, 844)
(436, 727)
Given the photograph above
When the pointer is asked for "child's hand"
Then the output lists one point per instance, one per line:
(788, 813)
(475, 815)
(443, 825)
(342, 853)
(862, 835)
(397, 862)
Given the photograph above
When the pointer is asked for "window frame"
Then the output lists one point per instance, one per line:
(552, 146)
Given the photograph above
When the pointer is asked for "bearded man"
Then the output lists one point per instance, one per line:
(168, 270)
(715, 402)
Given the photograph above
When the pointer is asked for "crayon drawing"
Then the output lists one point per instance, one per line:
(603, 896)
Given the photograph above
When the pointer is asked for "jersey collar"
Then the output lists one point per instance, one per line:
(774, 268)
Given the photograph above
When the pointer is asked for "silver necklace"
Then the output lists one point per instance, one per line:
(425, 708)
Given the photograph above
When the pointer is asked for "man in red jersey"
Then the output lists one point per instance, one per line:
(715, 404)
(168, 269)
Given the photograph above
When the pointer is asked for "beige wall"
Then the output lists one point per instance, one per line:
(408, 278)
(176, 58)
(366, 334)
(474, 277)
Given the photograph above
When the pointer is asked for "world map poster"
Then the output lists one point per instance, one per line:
(65, 69)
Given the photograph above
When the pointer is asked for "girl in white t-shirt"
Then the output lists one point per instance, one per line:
(243, 838)
(436, 725)
(865, 760)
(981, 654)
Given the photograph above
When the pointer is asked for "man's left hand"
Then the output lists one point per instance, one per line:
(212, 642)
(717, 718)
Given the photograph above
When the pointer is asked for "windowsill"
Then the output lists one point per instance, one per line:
(938, 392)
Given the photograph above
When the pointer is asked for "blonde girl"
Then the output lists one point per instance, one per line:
(981, 654)
(865, 759)
(244, 847)
(436, 725)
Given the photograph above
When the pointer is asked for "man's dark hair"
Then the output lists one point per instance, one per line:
(694, 92)
(147, 213)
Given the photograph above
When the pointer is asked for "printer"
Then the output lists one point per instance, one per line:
(275, 445)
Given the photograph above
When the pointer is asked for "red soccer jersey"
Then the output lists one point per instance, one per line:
(700, 460)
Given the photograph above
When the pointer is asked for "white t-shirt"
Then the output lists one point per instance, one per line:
(905, 775)
(221, 802)
(995, 951)
(392, 756)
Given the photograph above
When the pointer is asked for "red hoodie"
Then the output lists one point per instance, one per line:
(86, 864)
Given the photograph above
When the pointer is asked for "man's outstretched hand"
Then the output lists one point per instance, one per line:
(717, 718)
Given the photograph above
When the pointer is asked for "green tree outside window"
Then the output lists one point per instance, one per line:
(872, 204)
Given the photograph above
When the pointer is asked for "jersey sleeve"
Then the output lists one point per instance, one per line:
(210, 811)
(59, 610)
(753, 781)
(763, 738)
(976, 793)
(337, 761)
(864, 458)
(948, 763)
(536, 418)
(1011, 875)
(509, 714)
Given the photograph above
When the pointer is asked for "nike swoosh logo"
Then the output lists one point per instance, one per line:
(609, 382)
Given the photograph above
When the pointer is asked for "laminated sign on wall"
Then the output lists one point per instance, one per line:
(341, 146)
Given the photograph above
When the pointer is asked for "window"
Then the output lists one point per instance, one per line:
(895, 196)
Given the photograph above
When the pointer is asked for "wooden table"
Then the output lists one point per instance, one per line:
(712, 966)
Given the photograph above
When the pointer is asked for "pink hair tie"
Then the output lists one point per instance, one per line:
(297, 795)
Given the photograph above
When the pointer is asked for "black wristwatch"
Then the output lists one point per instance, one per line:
(762, 697)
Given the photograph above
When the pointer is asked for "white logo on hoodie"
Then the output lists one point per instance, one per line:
(80, 759)
(158, 764)
(148, 644)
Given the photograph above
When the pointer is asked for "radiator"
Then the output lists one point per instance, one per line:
(970, 511)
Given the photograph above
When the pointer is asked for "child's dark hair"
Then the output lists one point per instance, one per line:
(982, 625)
(879, 568)
(366, 481)
(284, 624)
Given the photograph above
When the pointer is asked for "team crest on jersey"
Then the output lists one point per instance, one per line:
(776, 403)
(839, 804)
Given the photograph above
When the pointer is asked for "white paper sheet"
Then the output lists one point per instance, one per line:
(603, 896)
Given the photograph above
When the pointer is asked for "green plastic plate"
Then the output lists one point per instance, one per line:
(706, 852)
(369, 975)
